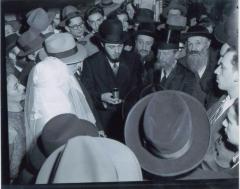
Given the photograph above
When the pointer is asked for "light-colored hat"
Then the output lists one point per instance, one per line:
(90, 159)
(64, 47)
(69, 12)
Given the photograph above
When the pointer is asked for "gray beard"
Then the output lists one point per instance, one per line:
(196, 62)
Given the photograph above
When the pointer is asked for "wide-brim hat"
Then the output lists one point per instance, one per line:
(111, 31)
(87, 159)
(30, 41)
(64, 47)
(167, 167)
(196, 30)
(39, 19)
(169, 39)
(146, 28)
(175, 5)
(69, 12)
(56, 133)
(11, 41)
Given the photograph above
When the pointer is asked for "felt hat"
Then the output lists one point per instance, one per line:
(169, 39)
(56, 133)
(143, 15)
(11, 41)
(146, 28)
(30, 41)
(169, 132)
(174, 4)
(197, 30)
(86, 159)
(108, 6)
(111, 31)
(39, 19)
(64, 47)
(69, 12)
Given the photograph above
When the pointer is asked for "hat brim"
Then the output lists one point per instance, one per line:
(74, 59)
(73, 15)
(185, 36)
(114, 41)
(169, 167)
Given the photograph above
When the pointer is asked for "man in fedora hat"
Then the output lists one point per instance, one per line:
(202, 60)
(109, 74)
(169, 133)
(108, 6)
(88, 159)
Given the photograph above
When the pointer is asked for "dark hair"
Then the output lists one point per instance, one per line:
(68, 22)
(93, 10)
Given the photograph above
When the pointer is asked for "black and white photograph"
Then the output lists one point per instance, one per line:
(120, 94)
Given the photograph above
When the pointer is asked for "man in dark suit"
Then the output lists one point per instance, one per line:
(109, 74)
(169, 74)
(202, 60)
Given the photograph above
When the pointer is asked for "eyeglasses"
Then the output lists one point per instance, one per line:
(75, 27)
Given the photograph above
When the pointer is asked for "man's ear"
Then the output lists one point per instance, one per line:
(67, 28)
(208, 43)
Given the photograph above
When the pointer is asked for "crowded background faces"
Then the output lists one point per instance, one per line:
(123, 90)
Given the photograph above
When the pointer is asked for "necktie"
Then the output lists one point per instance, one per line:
(216, 115)
(164, 78)
(115, 68)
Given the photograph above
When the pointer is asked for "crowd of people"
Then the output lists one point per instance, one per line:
(122, 91)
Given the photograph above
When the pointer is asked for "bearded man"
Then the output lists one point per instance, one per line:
(202, 60)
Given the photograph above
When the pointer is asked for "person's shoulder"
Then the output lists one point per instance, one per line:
(96, 56)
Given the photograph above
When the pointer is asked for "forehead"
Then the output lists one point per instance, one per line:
(144, 38)
(76, 20)
(224, 49)
(195, 39)
(95, 16)
(227, 58)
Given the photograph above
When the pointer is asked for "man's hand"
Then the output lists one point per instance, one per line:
(107, 97)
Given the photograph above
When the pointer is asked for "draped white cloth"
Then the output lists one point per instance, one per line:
(52, 90)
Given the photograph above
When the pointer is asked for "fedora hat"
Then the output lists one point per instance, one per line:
(146, 28)
(143, 15)
(39, 19)
(86, 159)
(30, 41)
(169, 39)
(64, 47)
(169, 132)
(196, 30)
(11, 41)
(174, 4)
(111, 31)
(108, 6)
(56, 133)
(69, 12)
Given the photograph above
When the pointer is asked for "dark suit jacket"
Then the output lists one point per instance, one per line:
(180, 79)
(98, 77)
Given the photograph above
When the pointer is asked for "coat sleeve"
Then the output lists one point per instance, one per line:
(89, 82)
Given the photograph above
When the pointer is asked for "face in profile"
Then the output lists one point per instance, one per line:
(231, 126)
(227, 75)
(144, 45)
(15, 90)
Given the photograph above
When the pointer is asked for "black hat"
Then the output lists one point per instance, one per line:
(146, 28)
(111, 31)
(197, 30)
(169, 39)
(143, 15)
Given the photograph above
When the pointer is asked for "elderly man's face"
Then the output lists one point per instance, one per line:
(113, 51)
(95, 20)
(197, 48)
(144, 45)
(76, 27)
(227, 75)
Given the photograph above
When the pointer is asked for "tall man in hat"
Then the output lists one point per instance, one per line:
(109, 75)
(202, 60)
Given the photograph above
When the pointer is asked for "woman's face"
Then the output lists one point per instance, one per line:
(231, 126)
(15, 90)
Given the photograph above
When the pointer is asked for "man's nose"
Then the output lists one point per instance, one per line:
(217, 70)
